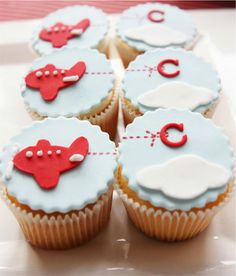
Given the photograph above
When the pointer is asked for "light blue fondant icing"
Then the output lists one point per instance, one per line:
(193, 70)
(80, 97)
(77, 187)
(175, 19)
(204, 140)
(71, 15)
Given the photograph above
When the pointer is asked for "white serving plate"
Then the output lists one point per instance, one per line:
(120, 249)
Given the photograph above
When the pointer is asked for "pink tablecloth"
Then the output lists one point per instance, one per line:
(15, 10)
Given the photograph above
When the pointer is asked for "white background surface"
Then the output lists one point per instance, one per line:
(120, 249)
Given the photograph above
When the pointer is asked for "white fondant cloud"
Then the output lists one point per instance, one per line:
(184, 177)
(156, 35)
(176, 94)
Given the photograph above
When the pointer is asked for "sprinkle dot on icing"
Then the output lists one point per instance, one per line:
(58, 152)
(38, 74)
(39, 153)
(29, 154)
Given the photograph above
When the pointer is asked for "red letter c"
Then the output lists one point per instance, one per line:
(169, 143)
(153, 19)
(160, 68)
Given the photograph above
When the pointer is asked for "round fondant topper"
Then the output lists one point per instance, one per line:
(147, 26)
(173, 178)
(78, 26)
(45, 161)
(60, 33)
(50, 79)
(77, 95)
(161, 69)
(152, 16)
(76, 145)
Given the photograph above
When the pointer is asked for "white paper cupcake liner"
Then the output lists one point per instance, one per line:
(63, 231)
(169, 226)
(107, 119)
(103, 46)
(126, 52)
(129, 113)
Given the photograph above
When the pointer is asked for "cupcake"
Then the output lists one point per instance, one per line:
(73, 26)
(148, 26)
(169, 78)
(55, 181)
(175, 173)
(72, 83)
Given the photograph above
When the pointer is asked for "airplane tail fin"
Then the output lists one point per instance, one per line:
(78, 69)
(83, 24)
(80, 146)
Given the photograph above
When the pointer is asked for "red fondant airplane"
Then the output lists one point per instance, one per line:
(45, 161)
(49, 79)
(60, 33)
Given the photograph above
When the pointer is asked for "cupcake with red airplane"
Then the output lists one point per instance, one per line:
(77, 26)
(48, 184)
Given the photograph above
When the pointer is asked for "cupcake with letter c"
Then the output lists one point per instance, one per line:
(153, 25)
(169, 78)
(176, 170)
